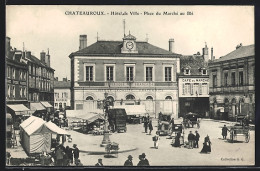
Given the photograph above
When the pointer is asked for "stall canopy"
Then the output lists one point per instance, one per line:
(134, 109)
(18, 109)
(36, 134)
(82, 114)
(46, 104)
(37, 106)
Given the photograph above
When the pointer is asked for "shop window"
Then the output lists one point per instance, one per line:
(187, 88)
(204, 88)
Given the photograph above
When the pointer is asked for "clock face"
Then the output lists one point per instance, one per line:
(129, 45)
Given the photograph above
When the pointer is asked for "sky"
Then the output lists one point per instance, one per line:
(48, 26)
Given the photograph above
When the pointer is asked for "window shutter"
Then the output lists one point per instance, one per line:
(200, 88)
(191, 89)
(183, 89)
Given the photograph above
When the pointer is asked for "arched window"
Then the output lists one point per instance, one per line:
(111, 100)
(149, 98)
(130, 97)
(168, 98)
(89, 98)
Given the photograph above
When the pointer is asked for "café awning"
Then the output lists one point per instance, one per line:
(37, 106)
(18, 107)
(46, 104)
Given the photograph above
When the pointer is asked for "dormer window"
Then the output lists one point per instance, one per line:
(203, 71)
(186, 71)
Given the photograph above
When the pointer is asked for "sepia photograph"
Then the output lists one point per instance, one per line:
(130, 85)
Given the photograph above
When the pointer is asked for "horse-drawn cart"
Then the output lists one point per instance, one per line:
(239, 130)
(191, 119)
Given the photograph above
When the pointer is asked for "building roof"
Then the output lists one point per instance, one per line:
(62, 84)
(194, 63)
(241, 52)
(37, 61)
(114, 48)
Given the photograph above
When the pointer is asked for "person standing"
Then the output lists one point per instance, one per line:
(150, 126)
(75, 152)
(59, 157)
(224, 132)
(177, 140)
(191, 139)
(156, 140)
(172, 125)
(206, 145)
(197, 138)
(129, 161)
(99, 163)
(145, 124)
(143, 161)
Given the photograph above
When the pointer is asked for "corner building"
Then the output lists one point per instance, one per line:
(232, 84)
(129, 71)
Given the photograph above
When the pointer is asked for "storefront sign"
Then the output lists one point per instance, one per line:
(129, 90)
(193, 80)
(126, 84)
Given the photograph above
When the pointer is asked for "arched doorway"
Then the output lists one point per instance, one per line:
(89, 104)
(168, 107)
(149, 104)
(130, 99)
(110, 100)
(241, 107)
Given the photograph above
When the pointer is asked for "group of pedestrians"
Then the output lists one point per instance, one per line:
(66, 156)
(148, 124)
(193, 140)
(142, 161)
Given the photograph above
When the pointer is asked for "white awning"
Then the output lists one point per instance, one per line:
(55, 129)
(46, 104)
(37, 106)
(133, 109)
(221, 109)
(18, 107)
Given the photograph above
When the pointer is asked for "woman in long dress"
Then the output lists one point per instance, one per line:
(206, 145)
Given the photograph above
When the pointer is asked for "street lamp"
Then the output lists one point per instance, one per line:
(106, 139)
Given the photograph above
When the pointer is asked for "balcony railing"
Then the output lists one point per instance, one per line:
(228, 89)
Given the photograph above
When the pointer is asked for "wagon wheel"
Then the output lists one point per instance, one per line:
(247, 137)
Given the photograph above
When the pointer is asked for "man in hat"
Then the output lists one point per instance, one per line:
(191, 138)
(197, 138)
(99, 163)
(224, 132)
(143, 161)
(129, 161)
(75, 152)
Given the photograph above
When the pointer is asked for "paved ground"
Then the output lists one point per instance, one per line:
(136, 142)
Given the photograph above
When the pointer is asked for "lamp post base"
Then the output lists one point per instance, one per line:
(106, 140)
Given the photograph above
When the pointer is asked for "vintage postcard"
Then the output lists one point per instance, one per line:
(128, 85)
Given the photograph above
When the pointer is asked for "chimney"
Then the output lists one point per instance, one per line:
(205, 52)
(43, 56)
(82, 41)
(171, 45)
(47, 60)
(238, 46)
(28, 54)
(7, 45)
(212, 57)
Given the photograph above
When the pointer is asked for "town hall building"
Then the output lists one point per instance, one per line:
(129, 72)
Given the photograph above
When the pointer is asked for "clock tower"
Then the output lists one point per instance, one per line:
(129, 44)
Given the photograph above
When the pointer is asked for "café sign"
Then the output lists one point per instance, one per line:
(194, 80)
